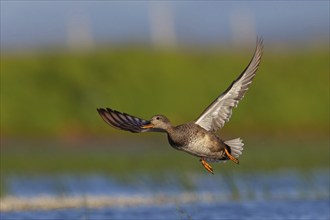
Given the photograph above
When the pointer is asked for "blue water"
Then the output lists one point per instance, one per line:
(275, 195)
(287, 209)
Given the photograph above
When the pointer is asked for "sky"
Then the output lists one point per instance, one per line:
(33, 24)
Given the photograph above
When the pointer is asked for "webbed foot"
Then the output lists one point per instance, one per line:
(235, 160)
(206, 166)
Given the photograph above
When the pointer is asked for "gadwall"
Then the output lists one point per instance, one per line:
(198, 137)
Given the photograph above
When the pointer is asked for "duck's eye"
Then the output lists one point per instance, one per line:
(157, 118)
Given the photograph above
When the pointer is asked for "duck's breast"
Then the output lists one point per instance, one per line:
(196, 140)
(203, 144)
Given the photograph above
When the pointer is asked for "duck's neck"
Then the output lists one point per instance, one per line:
(169, 130)
(174, 138)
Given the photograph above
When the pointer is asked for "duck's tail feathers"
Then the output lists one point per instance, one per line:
(236, 146)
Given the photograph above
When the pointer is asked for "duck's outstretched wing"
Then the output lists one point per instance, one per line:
(123, 121)
(219, 111)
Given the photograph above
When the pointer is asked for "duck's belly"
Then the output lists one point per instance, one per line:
(207, 147)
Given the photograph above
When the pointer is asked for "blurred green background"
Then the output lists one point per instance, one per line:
(49, 96)
(58, 93)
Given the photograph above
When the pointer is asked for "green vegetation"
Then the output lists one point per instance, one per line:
(57, 93)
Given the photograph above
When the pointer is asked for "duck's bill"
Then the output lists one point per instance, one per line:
(148, 125)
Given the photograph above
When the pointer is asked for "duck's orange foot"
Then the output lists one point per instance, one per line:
(206, 165)
(235, 160)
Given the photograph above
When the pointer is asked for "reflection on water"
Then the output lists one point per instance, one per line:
(251, 193)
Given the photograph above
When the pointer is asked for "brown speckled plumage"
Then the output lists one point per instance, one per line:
(196, 141)
(198, 137)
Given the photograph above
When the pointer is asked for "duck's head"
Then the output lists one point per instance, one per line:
(158, 122)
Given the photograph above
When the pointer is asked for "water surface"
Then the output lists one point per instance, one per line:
(274, 195)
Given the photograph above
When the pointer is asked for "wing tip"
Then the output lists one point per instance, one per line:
(100, 110)
(120, 120)
(260, 46)
(260, 39)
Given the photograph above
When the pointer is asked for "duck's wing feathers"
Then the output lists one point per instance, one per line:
(219, 111)
(123, 121)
